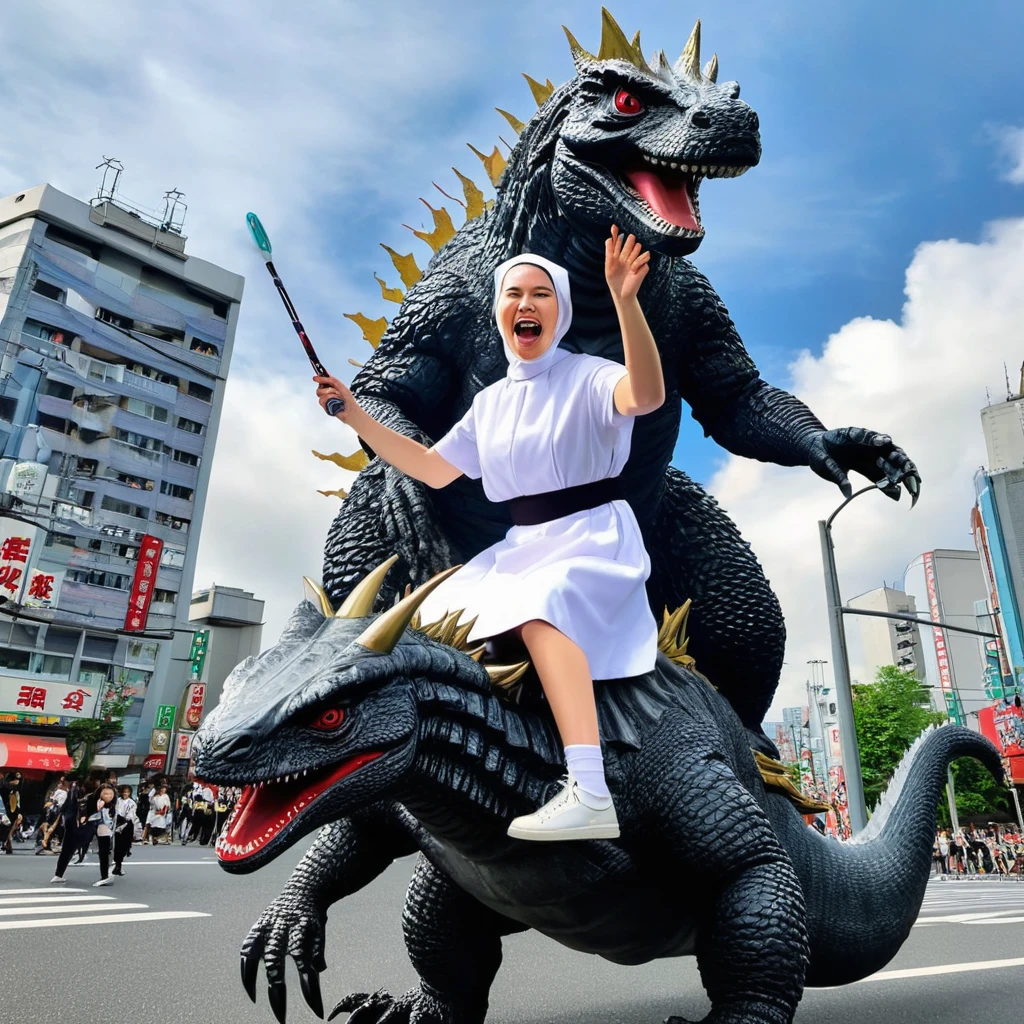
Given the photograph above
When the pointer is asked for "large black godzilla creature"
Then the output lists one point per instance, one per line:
(398, 742)
(630, 143)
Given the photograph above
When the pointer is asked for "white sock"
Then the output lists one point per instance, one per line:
(587, 766)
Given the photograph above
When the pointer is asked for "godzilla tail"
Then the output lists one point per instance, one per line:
(864, 896)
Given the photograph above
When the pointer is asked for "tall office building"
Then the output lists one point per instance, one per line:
(948, 586)
(116, 344)
(885, 641)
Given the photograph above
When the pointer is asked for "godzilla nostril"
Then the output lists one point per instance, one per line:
(238, 746)
(699, 119)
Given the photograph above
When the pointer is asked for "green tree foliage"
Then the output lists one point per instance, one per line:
(88, 737)
(890, 714)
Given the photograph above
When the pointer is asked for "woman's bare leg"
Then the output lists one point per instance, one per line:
(565, 676)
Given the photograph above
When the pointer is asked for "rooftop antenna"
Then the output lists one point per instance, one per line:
(1020, 393)
(1006, 374)
(988, 397)
(112, 168)
(174, 211)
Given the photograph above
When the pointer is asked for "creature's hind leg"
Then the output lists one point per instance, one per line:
(454, 943)
(752, 947)
(737, 634)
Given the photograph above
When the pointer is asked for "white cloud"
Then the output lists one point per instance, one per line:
(923, 381)
(1011, 147)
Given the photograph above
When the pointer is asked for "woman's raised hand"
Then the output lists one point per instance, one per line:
(330, 387)
(625, 265)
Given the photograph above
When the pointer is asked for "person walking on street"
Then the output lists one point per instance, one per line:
(54, 819)
(159, 814)
(10, 797)
(103, 818)
(80, 804)
(124, 828)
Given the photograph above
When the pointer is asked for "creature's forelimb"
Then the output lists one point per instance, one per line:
(454, 943)
(752, 948)
(346, 856)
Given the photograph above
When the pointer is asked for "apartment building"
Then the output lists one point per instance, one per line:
(115, 347)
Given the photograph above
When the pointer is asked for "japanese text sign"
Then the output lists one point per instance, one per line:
(197, 655)
(27, 697)
(143, 585)
(164, 717)
(192, 709)
(43, 588)
(16, 540)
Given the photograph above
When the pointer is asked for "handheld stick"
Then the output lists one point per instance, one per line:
(260, 237)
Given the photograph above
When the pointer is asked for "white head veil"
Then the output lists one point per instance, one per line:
(520, 369)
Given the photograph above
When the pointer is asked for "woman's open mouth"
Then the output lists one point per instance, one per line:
(526, 329)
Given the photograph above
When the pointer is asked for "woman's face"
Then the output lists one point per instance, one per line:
(107, 795)
(527, 311)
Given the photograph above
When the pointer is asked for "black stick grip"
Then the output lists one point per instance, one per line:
(334, 406)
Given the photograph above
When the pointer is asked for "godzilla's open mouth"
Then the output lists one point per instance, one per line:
(266, 808)
(669, 189)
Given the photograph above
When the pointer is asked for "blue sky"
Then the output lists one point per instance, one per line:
(873, 261)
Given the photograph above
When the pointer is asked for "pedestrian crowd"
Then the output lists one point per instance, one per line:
(974, 851)
(77, 813)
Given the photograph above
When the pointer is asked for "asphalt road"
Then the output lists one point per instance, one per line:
(164, 948)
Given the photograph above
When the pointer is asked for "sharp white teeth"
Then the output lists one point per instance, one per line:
(703, 168)
(712, 170)
(674, 165)
(646, 157)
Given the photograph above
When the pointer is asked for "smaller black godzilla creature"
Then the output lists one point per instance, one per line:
(398, 743)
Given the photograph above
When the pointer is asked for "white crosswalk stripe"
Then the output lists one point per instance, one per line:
(57, 908)
(971, 902)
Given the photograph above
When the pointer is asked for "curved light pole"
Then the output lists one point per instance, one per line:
(841, 670)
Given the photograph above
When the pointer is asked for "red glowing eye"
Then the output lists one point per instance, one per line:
(627, 103)
(329, 719)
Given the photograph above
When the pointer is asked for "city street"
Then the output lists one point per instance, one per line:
(169, 932)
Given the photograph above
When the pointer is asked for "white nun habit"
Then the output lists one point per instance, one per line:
(549, 424)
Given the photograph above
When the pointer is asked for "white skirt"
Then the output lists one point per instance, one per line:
(583, 573)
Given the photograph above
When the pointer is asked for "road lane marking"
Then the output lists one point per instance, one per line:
(157, 915)
(89, 908)
(24, 892)
(962, 918)
(926, 972)
(43, 901)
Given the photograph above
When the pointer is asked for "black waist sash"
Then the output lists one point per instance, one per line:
(532, 509)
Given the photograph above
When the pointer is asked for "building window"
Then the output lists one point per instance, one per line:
(165, 596)
(158, 375)
(189, 426)
(95, 578)
(149, 444)
(66, 540)
(186, 458)
(58, 390)
(173, 522)
(138, 483)
(177, 491)
(32, 661)
(204, 348)
(86, 467)
(123, 322)
(172, 557)
(142, 652)
(93, 673)
(49, 291)
(73, 241)
(152, 412)
(123, 508)
(195, 390)
(37, 329)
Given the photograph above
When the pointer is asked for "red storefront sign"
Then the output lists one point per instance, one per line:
(155, 762)
(144, 583)
(193, 710)
(1004, 726)
(939, 635)
(38, 752)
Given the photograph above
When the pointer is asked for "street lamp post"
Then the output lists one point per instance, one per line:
(841, 670)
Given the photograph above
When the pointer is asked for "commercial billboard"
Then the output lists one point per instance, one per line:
(144, 583)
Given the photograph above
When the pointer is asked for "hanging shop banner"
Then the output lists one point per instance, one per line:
(155, 762)
(43, 590)
(16, 540)
(183, 746)
(144, 583)
(26, 481)
(192, 705)
(939, 634)
(197, 655)
(43, 698)
(164, 716)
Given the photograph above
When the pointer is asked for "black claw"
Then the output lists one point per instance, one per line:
(349, 1003)
(250, 967)
(914, 486)
(319, 963)
(278, 996)
(309, 981)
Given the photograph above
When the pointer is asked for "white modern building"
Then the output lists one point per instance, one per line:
(948, 586)
(884, 641)
(115, 347)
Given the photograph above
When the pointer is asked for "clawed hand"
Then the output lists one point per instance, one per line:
(625, 265)
(837, 452)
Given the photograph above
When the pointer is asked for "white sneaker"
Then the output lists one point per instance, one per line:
(57, 880)
(566, 816)
(102, 881)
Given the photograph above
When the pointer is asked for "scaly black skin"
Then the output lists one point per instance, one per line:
(560, 192)
(709, 864)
